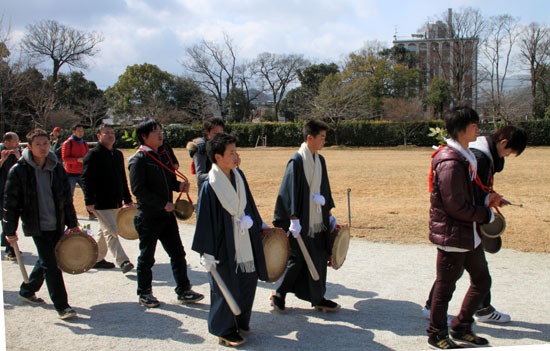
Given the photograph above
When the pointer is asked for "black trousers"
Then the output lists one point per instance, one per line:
(449, 266)
(46, 269)
(165, 230)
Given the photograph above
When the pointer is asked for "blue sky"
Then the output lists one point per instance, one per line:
(158, 31)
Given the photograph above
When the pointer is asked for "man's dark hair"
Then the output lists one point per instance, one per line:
(35, 133)
(459, 118)
(212, 122)
(314, 127)
(103, 126)
(217, 145)
(9, 136)
(144, 128)
(516, 136)
(78, 125)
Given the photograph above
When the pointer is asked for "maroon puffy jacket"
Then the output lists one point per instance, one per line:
(452, 208)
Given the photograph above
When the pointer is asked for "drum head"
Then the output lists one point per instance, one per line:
(340, 247)
(76, 252)
(491, 245)
(125, 222)
(183, 209)
(276, 252)
(494, 229)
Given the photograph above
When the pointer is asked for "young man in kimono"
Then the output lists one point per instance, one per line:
(303, 208)
(228, 238)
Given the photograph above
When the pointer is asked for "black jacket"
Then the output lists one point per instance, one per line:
(4, 170)
(21, 200)
(104, 178)
(151, 183)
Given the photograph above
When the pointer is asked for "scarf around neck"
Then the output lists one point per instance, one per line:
(234, 201)
(313, 173)
(468, 154)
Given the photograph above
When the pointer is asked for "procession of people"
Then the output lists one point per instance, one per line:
(36, 188)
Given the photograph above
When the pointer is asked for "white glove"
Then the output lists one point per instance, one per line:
(295, 227)
(208, 262)
(332, 223)
(319, 200)
(246, 223)
(265, 226)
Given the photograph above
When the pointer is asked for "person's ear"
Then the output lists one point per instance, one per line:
(504, 142)
(218, 157)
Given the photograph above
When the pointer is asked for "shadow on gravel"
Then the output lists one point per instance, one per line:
(130, 321)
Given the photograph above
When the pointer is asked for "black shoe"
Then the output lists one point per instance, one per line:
(469, 337)
(148, 300)
(104, 264)
(278, 302)
(190, 296)
(126, 267)
(66, 313)
(232, 339)
(442, 342)
(32, 299)
(91, 216)
(327, 306)
(10, 256)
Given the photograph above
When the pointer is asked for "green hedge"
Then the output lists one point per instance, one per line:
(350, 133)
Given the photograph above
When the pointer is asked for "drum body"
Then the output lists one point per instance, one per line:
(125, 222)
(183, 209)
(276, 252)
(339, 240)
(494, 229)
(76, 252)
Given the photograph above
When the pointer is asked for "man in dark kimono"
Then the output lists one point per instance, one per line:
(228, 238)
(303, 208)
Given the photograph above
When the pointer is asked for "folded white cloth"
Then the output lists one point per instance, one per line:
(245, 224)
(319, 201)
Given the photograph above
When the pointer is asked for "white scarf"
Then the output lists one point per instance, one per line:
(313, 173)
(482, 145)
(234, 202)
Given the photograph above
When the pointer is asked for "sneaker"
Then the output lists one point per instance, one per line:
(442, 342)
(10, 255)
(91, 216)
(32, 299)
(126, 267)
(492, 317)
(278, 302)
(427, 314)
(190, 296)
(148, 300)
(66, 313)
(469, 337)
(104, 264)
(232, 339)
(327, 306)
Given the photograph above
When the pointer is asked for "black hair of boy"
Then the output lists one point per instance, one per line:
(103, 126)
(146, 127)
(516, 136)
(459, 118)
(35, 133)
(212, 122)
(314, 127)
(78, 125)
(217, 145)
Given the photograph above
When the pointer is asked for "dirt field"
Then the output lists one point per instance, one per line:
(389, 191)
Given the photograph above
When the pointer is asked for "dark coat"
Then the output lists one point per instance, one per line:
(151, 183)
(4, 170)
(453, 204)
(104, 178)
(201, 161)
(20, 200)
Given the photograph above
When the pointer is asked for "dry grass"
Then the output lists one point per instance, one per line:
(389, 191)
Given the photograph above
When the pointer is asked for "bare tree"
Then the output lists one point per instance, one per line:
(535, 52)
(42, 102)
(213, 67)
(279, 71)
(405, 112)
(497, 50)
(60, 43)
(92, 110)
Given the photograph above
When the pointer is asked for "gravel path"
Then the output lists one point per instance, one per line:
(381, 287)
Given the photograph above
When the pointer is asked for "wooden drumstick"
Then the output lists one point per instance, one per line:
(307, 257)
(225, 291)
(20, 262)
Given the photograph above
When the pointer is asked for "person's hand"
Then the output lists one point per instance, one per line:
(505, 202)
(184, 187)
(238, 160)
(495, 200)
(208, 262)
(80, 159)
(4, 155)
(16, 153)
(176, 166)
(90, 208)
(169, 207)
(319, 201)
(332, 223)
(246, 223)
(11, 239)
(295, 227)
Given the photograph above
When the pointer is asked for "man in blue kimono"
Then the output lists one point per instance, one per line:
(228, 238)
(303, 208)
